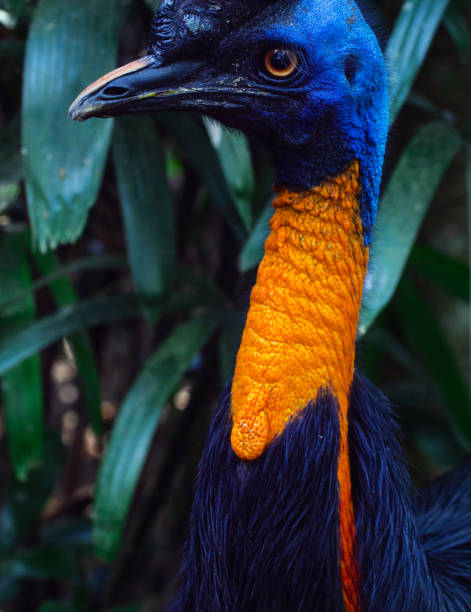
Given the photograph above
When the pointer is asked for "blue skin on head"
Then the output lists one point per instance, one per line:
(210, 56)
(336, 111)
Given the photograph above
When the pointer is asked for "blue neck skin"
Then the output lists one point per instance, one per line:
(333, 136)
(302, 168)
(340, 112)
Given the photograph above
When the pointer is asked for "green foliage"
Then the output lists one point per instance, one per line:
(405, 202)
(22, 404)
(196, 146)
(122, 464)
(146, 205)
(64, 294)
(63, 174)
(425, 334)
(234, 155)
(111, 348)
(408, 45)
(253, 249)
(17, 346)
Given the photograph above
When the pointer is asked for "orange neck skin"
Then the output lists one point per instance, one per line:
(300, 331)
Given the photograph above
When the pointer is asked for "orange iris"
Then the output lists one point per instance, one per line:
(281, 63)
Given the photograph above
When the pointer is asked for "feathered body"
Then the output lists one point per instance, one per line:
(263, 534)
(303, 501)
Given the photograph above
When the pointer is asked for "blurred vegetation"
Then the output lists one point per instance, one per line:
(127, 253)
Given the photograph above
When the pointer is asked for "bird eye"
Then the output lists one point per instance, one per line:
(281, 63)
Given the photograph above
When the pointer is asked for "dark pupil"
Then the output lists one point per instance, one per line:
(280, 60)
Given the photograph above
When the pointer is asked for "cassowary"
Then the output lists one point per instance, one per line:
(303, 501)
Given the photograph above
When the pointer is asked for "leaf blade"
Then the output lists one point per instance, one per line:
(22, 386)
(236, 163)
(449, 274)
(408, 45)
(425, 334)
(146, 205)
(64, 161)
(457, 26)
(73, 318)
(402, 210)
(135, 427)
(196, 145)
(254, 248)
(64, 294)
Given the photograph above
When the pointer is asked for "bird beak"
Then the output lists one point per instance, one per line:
(145, 85)
(110, 92)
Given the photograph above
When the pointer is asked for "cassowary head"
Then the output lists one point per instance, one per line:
(305, 76)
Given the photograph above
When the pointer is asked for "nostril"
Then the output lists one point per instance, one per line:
(352, 64)
(114, 91)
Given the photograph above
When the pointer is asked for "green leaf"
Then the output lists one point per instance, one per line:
(90, 383)
(64, 294)
(442, 270)
(196, 146)
(72, 533)
(21, 386)
(408, 45)
(402, 210)
(194, 281)
(67, 48)
(425, 105)
(23, 502)
(16, 347)
(456, 21)
(385, 343)
(9, 193)
(135, 427)
(146, 205)
(236, 162)
(7, 20)
(425, 334)
(254, 249)
(12, 6)
(42, 563)
(94, 262)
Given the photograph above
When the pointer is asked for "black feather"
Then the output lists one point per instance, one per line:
(264, 534)
(414, 550)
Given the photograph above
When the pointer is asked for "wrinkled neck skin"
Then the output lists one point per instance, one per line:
(299, 337)
(300, 331)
